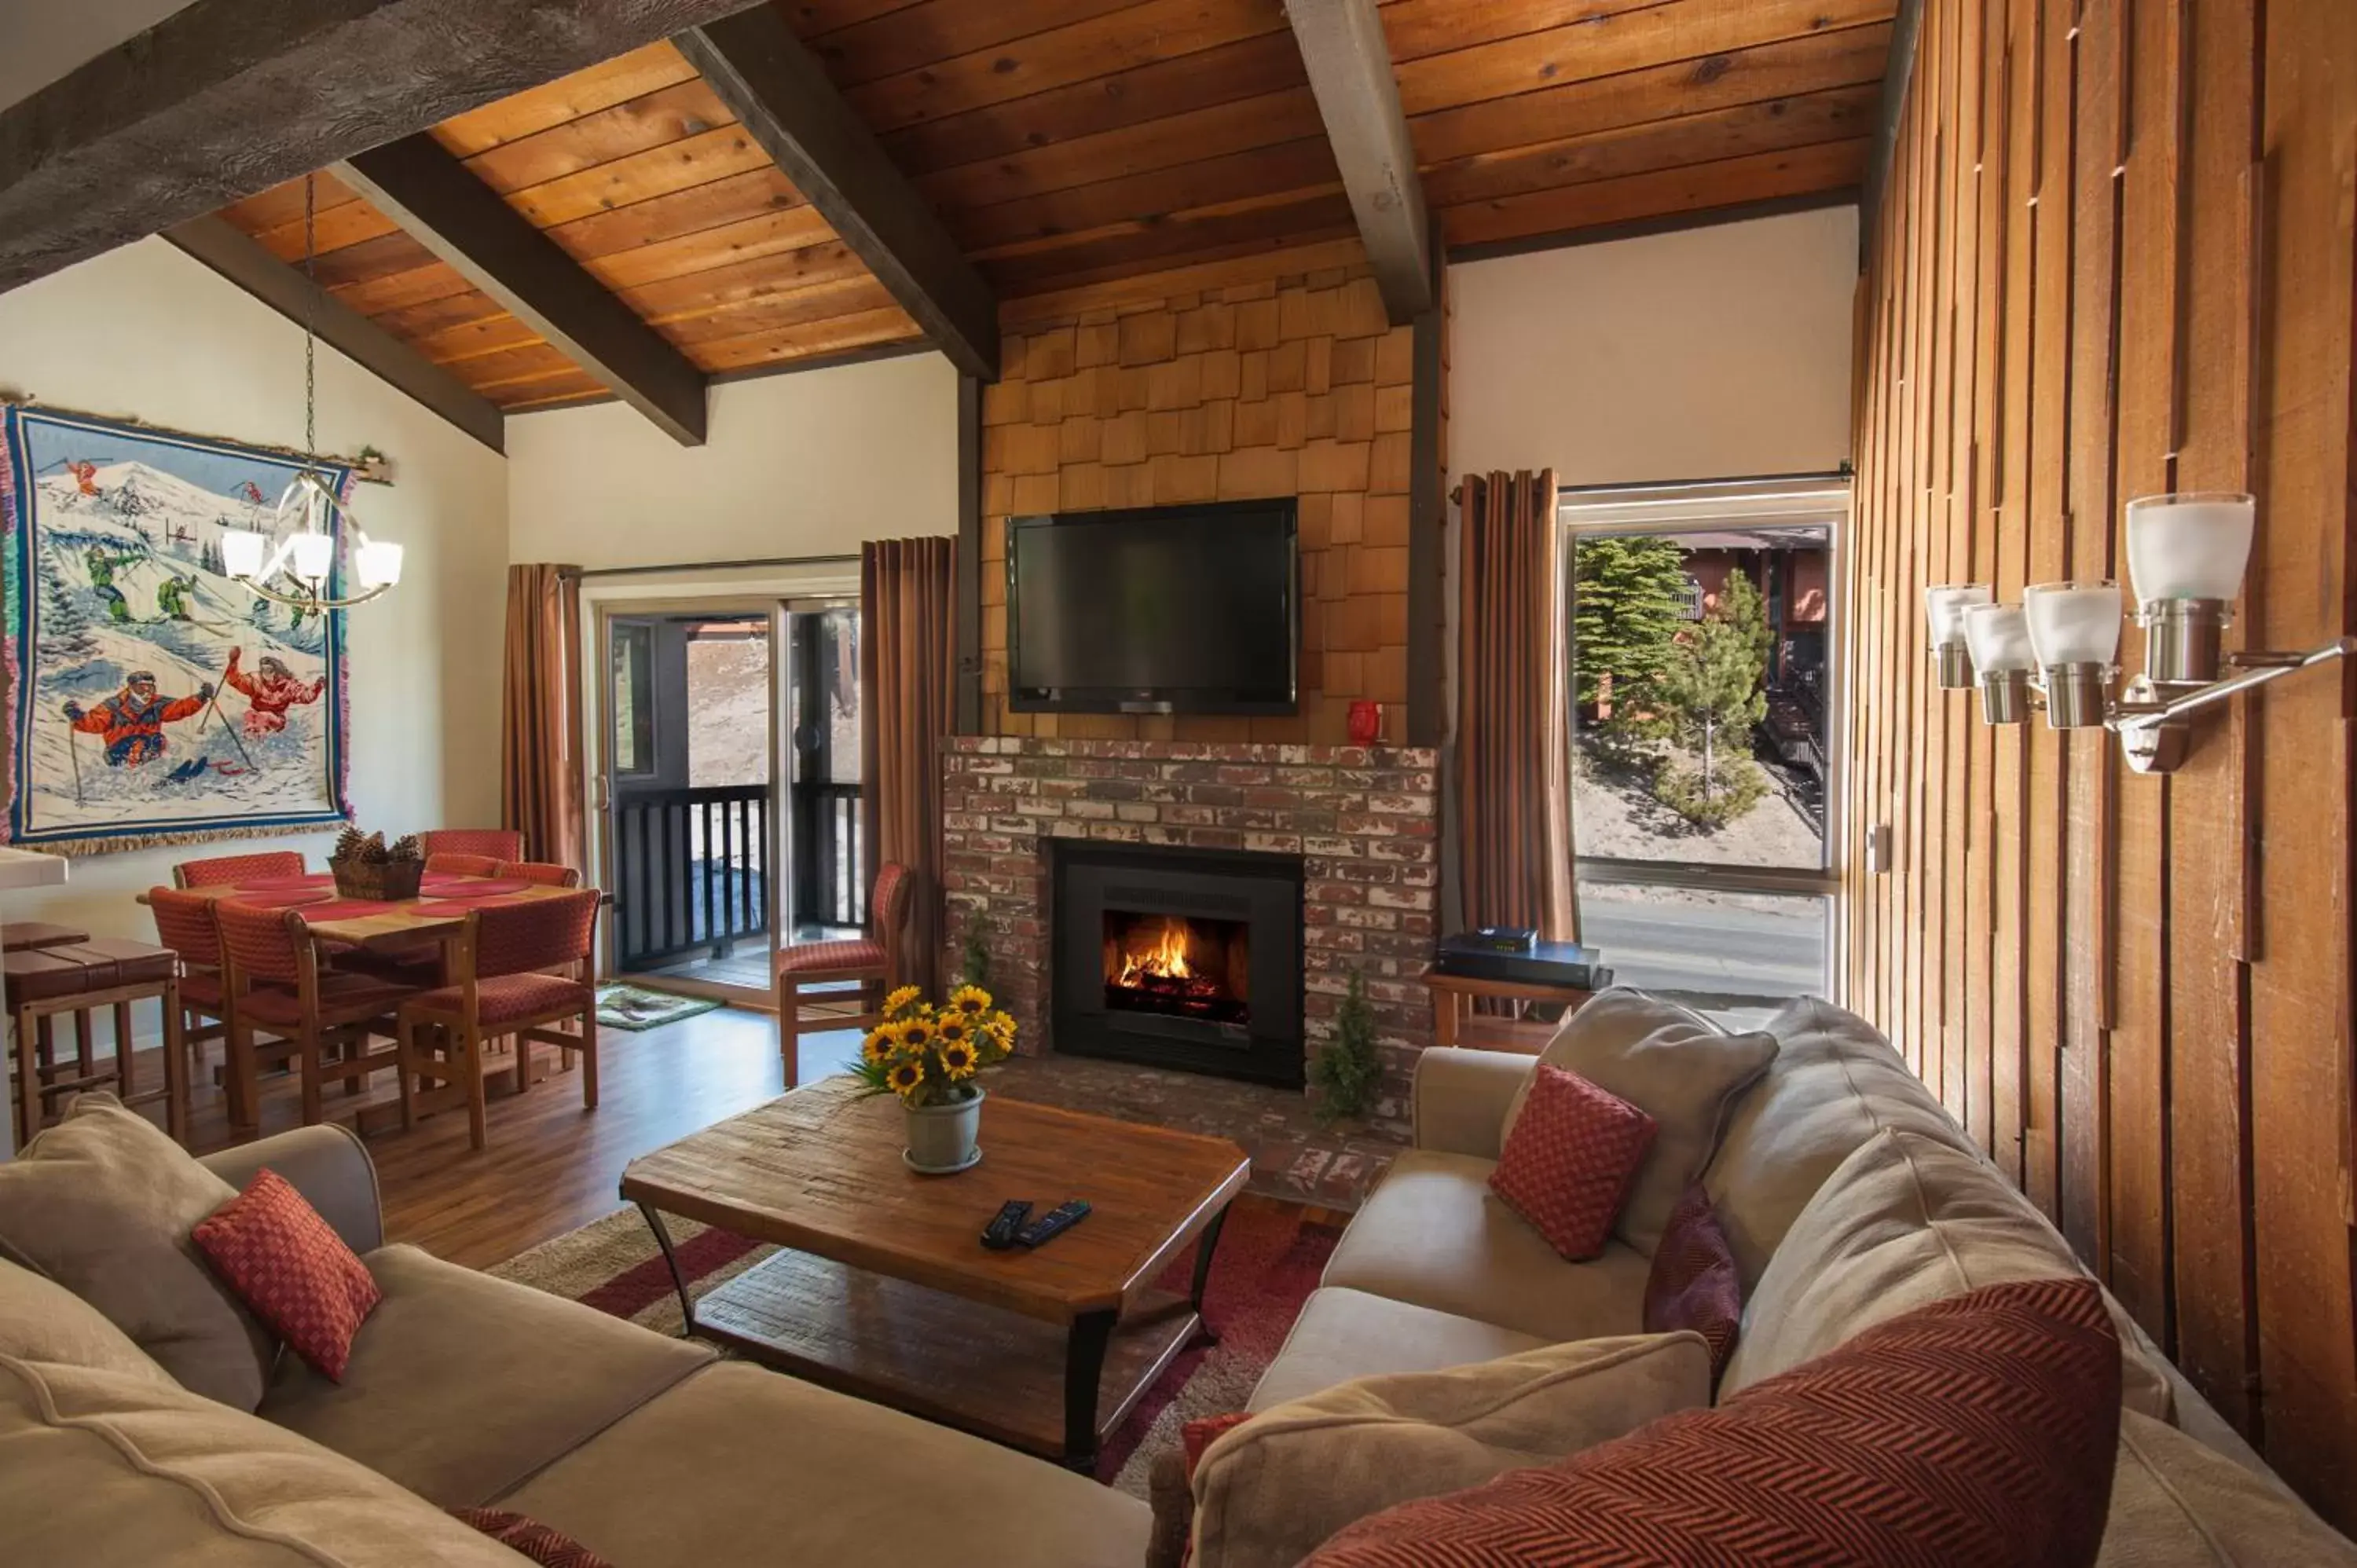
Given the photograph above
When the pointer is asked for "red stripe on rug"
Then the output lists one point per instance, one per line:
(642, 1285)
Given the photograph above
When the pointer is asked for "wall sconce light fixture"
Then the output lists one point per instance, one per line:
(2059, 649)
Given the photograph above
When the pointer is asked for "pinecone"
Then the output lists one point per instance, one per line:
(349, 844)
(407, 848)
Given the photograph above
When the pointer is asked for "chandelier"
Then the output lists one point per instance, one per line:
(301, 571)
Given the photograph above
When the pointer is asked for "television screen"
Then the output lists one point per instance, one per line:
(1176, 609)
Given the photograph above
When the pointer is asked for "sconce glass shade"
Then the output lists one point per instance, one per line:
(314, 556)
(242, 550)
(1999, 637)
(2192, 546)
(1944, 610)
(378, 564)
(2073, 623)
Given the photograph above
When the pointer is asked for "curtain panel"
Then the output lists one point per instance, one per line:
(908, 695)
(541, 758)
(1513, 708)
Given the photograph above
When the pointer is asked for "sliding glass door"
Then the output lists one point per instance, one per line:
(1703, 710)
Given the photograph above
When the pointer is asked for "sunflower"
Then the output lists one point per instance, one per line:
(970, 1000)
(952, 1029)
(959, 1058)
(900, 1001)
(916, 1034)
(882, 1042)
(905, 1076)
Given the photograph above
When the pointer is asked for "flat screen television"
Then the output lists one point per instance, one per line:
(1193, 609)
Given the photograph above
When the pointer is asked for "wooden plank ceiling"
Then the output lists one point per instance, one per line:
(1067, 142)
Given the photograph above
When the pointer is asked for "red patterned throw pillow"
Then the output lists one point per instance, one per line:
(535, 1541)
(1568, 1162)
(1979, 1431)
(291, 1268)
(1694, 1282)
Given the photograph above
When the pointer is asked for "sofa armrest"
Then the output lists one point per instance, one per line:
(328, 1166)
(1461, 1097)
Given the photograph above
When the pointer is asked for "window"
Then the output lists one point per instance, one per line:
(1702, 786)
(633, 704)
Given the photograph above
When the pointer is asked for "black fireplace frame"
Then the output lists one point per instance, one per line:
(1263, 890)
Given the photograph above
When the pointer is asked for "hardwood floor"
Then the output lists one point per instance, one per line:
(549, 1166)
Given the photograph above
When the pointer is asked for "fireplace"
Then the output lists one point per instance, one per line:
(1179, 958)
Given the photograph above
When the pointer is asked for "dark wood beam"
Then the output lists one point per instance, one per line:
(230, 97)
(969, 557)
(779, 89)
(1427, 520)
(1898, 71)
(220, 245)
(1350, 74)
(421, 186)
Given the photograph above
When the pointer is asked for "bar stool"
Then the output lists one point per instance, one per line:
(24, 936)
(80, 978)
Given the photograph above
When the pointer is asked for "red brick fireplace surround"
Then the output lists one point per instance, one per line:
(1364, 822)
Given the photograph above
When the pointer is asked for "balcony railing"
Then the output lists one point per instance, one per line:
(694, 872)
(830, 856)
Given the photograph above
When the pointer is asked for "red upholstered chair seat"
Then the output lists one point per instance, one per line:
(343, 999)
(854, 952)
(202, 991)
(506, 998)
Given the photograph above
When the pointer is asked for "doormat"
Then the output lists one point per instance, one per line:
(634, 1008)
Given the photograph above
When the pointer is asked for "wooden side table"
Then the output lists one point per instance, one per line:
(80, 978)
(1454, 1024)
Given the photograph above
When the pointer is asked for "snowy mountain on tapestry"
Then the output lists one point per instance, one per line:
(151, 698)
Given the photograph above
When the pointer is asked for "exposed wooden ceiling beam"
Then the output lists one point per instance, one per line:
(1350, 75)
(779, 89)
(227, 98)
(218, 244)
(468, 224)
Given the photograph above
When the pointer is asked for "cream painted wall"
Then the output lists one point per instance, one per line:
(1696, 355)
(809, 464)
(144, 333)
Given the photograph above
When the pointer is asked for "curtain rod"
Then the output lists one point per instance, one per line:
(709, 565)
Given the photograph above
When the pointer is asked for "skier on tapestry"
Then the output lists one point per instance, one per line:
(130, 722)
(155, 698)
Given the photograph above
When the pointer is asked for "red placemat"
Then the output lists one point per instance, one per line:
(475, 890)
(284, 897)
(350, 909)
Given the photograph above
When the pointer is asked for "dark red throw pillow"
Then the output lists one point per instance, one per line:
(1567, 1164)
(1976, 1433)
(292, 1269)
(549, 1548)
(1695, 1282)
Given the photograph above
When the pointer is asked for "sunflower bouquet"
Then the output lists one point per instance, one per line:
(928, 1055)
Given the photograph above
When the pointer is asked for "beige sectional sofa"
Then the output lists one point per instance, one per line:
(1848, 1193)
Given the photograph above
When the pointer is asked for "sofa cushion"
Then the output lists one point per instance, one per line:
(1569, 1160)
(1433, 1233)
(1268, 1491)
(1978, 1432)
(1675, 1066)
(1835, 1083)
(1692, 1283)
(104, 1203)
(839, 1480)
(102, 1466)
(292, 1270)
(41, 1320)
(2177, 1504)
(1905, 1221)
(462, 1385)
(1343, 1334)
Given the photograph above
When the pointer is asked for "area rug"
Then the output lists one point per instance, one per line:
(634, 1008)
(1269, 1261)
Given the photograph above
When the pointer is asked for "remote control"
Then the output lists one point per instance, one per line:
(999, 1234)
(1055, 1222)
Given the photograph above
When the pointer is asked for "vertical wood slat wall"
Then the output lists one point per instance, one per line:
(2115, 258)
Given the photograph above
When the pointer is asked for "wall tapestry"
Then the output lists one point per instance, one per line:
(152, 699)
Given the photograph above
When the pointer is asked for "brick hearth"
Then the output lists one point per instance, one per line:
(1365, 822)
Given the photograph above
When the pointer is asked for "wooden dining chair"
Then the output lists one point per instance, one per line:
(272, 980)
(450, 863)
(228, 870)
(494, 843)
(502, 989)
(184, 922)
(871, 963)
(544, 872)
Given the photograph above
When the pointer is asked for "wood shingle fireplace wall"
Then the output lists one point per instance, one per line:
(1361, 825)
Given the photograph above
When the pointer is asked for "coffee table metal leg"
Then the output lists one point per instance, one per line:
(1203, 1251)
(671, 1261)
(1084, 1357)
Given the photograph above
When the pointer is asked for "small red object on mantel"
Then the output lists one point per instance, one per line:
(1366, 723)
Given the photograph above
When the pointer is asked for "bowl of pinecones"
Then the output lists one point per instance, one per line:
(365, 866)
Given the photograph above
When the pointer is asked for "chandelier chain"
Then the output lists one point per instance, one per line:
(310, 316)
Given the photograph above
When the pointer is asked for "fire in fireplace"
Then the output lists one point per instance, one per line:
(1179, 964)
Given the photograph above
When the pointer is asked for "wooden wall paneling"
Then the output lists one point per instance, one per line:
(1906, 532)
(2299, 981)
(1990, 219)
(2212, 1279)
(1941, 778)
(2137, 1204)
(1958, 76)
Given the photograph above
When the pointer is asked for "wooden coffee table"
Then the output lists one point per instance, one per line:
(885, 1290)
